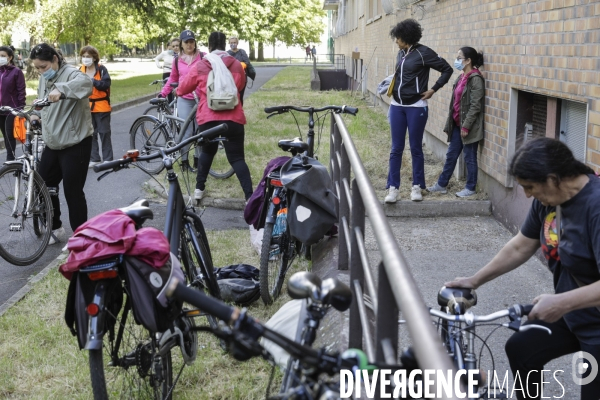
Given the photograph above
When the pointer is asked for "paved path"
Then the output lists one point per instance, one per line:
(118, 190)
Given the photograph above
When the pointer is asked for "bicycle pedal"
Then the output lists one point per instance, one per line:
(193, 313)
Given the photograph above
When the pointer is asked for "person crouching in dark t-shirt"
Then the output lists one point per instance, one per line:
(564, 220)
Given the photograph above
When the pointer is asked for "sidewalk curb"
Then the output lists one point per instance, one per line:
(422, 209)
(15, 298)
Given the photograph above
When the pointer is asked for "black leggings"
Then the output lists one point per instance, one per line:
(234, 149)
(530, 350)
(7, 126)
(70, 166)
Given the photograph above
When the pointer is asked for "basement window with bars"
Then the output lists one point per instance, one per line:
(544, 116)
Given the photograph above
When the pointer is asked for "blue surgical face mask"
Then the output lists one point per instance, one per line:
(171, 52)
(458, 64)
(49, 74)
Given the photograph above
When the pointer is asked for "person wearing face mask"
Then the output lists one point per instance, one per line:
(183, 63)
(464, 125)
(408, 108)
(67, 132)
(241, 56)
(99, 104)
(12, 94)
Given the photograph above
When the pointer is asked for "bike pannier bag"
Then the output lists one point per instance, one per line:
(80, 294)
(147, 285)
(19, 129)
(312, 206)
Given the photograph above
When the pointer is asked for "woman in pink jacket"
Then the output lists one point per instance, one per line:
(187, 59)
(207, 118)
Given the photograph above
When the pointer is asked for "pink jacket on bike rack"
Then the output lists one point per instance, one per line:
(110, 234)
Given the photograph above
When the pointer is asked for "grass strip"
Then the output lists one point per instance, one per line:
(120, 89)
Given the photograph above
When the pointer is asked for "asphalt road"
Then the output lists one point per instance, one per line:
(119, 190)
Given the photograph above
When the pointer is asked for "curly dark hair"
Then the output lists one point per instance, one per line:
(409, 31)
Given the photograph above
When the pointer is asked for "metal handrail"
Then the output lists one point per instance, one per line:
(395, 278)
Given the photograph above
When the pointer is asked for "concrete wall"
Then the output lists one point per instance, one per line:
(545, 47)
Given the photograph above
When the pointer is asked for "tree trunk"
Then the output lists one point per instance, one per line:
(252, 52)
(261, 52)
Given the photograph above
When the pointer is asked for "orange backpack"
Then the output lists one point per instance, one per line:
(20, 129)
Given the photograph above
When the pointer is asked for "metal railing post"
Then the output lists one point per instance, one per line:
(386, 320)
(355, 335)
(344, 209)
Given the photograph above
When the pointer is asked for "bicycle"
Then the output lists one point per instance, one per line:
(25, 203)
(279, 250)
(135, 360)
(457, 330)
(156, 110)
(167, 129)
(242, 333)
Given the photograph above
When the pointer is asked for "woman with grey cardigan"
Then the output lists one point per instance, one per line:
(464, 125)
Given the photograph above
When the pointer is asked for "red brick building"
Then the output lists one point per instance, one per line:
(542, 70)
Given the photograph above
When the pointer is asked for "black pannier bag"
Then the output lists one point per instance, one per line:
(312, 204)
(147, 285)
(239, 284)
(80, 294)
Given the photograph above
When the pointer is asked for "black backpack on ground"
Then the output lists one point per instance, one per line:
(239, 284)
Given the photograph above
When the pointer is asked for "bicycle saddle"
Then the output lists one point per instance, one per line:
(304, 285)
(458, 300)
(294, 146)
(138, 211)
(158, 100)
(336, 294)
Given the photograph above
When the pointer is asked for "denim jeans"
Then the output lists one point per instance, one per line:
(415, 119)
(454, 149)
(184, 107)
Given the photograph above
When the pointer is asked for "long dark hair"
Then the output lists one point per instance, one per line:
(10, 53)
(216, 41)
(476, 57)
(544, 158)
(45, 52)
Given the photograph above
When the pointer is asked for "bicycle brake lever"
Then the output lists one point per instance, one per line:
(104, 174)
(535, 326)
(272, 115)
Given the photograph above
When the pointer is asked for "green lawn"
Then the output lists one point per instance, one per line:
(120, 90)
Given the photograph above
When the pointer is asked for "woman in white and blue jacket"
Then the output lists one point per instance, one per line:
(408, 109)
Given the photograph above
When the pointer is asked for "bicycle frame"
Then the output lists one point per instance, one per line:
(30, 161)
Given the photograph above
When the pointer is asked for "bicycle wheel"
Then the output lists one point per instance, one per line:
(157, 112)
(26, 227)
(147, 131)
(220, 167)
(274, 260)
(129, 365)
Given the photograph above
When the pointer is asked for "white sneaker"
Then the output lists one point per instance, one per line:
(59, 234)
(392, 195)
(198, 194)
(415, 193)
(92, 163)
(66, 248)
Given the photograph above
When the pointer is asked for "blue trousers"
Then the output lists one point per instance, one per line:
(414, 119)
(454, 149)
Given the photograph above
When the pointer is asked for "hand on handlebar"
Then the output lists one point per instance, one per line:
(55, 96)
(462, 282)
(547, 308)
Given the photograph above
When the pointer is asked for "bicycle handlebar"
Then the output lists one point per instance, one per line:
(336, 109)
(38, 104)
(247, 330)
(516, 311)
(201, 137)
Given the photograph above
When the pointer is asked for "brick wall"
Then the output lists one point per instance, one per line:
(547, 47)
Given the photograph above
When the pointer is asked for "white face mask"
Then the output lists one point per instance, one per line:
(3, 61)
(87, 61)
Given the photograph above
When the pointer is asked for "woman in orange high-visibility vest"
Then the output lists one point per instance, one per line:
(99, 104)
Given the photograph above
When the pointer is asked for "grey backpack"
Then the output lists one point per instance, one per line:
(219, 101)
